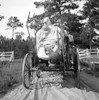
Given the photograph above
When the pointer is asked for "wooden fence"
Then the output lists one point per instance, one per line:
(85, 53)
(89, 53)
(6, 56)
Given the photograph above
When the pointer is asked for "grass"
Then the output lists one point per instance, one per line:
(10, 75)
(94, 59)
(86, 63)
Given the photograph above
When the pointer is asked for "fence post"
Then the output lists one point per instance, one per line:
(88, 54)
(97, 52)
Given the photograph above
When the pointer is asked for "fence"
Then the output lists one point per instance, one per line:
(92, 61)
(85, 53)
(6, 56)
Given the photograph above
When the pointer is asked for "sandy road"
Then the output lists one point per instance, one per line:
(52, 86)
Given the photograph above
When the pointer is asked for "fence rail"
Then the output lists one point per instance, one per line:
(89, 54)
(6, 56)
(85, 53)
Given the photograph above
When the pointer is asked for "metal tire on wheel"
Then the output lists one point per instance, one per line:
(76, 69)
(66, 55)
(26, 71)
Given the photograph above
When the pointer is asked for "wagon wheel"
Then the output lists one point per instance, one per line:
(27, 74)
(67, 53)
(76, 69)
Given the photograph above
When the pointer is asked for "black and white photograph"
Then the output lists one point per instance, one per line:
(49, 49)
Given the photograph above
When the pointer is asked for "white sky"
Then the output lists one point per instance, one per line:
(20, 9)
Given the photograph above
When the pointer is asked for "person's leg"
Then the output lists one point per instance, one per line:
(41, 54)
(55, 56)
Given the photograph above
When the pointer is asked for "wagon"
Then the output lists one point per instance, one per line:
(33, 66)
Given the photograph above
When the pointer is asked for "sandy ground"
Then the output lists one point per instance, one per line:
(52, 86)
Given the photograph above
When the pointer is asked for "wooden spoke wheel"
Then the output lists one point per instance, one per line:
(76, 69)
(27, 74)
(67, 53)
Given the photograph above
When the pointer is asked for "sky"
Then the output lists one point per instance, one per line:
(20, 9)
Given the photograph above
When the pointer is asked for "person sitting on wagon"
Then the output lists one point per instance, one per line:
(48, 42)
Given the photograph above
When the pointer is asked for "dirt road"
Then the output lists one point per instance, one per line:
(52, 86)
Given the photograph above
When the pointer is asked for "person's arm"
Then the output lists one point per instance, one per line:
(60, 37)
(71, 38)
(40, 39)
(37, 39)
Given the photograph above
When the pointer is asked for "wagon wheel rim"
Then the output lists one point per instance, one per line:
(26, 73)
(67, 55)
(76, 70)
